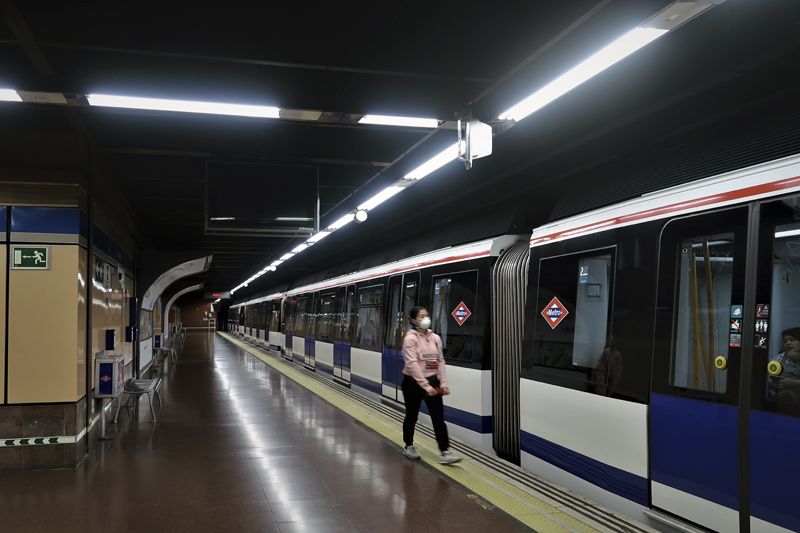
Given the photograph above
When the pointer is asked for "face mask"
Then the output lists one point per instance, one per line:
(425, 323)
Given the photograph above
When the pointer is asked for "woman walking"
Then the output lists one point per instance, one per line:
(424, 378)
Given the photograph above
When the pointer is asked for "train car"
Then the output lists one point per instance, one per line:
(656, 331)
(646, 354)
(351, 327)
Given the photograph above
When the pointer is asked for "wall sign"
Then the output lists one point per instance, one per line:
(30, 257)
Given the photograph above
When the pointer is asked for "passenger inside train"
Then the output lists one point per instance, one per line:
(784, 387)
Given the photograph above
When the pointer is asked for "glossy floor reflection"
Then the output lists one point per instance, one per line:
(239, 447)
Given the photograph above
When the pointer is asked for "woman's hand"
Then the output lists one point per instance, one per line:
(432, 391)
(445, 391)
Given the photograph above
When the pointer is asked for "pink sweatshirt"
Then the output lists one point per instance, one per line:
(423, 357)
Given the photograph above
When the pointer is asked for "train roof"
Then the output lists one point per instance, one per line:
(443, 256)
(759, 181)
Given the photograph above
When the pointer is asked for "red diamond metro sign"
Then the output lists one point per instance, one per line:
(554, 312)
(461, 313)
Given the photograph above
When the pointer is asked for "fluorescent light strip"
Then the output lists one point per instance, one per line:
(342, 222)
(9, 95)
(434, 163)
(319, 236)
(217, 219)
(299, 248)
(277, 263)
(284, 257)
(387, 120)
(379, 198)
(293, 219)
(587, 69)
(184, 106)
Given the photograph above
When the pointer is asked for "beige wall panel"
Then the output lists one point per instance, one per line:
(42, 333)
(83, 258)
(2, 318)
(100, 305)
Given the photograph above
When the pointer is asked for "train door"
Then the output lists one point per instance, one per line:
(290, 310)
(392, 346)
(403, 292)
(694, 417)
(344, 334)
(774, 416)
(310, 343)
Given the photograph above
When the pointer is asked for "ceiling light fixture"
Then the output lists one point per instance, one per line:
(293, 219)
(299, 248)
(379, 198)
(583, 71)
(276, 263)
(388, 120)
(183, 106)
(9, 95)
(361, 216)
(219, 219)
(318, 236)
(434, 163)
(286, 256)
(342, 222)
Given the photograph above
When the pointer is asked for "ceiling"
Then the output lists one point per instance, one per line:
(703, 83)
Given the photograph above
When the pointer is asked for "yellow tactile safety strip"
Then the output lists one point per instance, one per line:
(486, 484)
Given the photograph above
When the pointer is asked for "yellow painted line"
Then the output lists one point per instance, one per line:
(523, 506)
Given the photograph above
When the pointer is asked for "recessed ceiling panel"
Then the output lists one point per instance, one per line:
(256, 196)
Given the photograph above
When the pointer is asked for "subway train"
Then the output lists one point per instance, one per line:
(645, 355)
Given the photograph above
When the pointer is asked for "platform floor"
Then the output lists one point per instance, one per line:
(240, 447)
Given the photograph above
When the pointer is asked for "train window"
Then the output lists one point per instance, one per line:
(291, 307)
(370, 300)
(776, 354)
(394, 313)
(326, 316)
(410, 290)
(301, 316)
(347, 314)
(702, 313)
(573, 303)
(453, 314)
(275, 316)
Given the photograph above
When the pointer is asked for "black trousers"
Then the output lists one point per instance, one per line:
(414, 395)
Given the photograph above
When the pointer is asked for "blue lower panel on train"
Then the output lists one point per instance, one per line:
(311, 347)
(774, 468)
(694, 447)
(465, 419)
(610, 478)
(390, 374)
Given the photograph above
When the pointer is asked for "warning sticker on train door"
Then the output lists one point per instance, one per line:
(461, 313)
(554, 312)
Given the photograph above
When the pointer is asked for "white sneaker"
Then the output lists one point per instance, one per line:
(448, 457)
(411, 452)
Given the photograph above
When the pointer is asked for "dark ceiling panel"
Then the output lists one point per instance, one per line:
(737, 62)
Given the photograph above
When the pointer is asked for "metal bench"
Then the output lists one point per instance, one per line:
(137, 388)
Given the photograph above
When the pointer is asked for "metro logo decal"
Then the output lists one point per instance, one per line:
(461, 313)
(554, 312)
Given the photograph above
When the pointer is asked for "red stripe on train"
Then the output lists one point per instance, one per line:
(738, 194)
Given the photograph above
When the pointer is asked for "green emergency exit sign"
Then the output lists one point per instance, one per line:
(30, 257)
